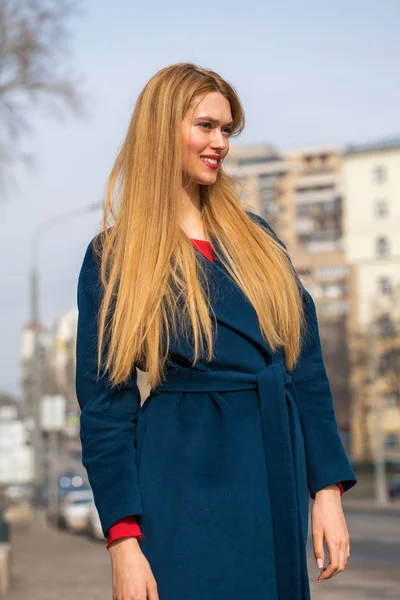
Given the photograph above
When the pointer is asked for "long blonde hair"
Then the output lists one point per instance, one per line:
(147, 262)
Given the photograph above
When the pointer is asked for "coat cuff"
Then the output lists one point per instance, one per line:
(126, 527)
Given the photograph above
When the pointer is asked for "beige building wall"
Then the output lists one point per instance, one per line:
(63, 356)
(371, 182)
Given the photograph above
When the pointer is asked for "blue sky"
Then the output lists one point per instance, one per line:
(306, 72)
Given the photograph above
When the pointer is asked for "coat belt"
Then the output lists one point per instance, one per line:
(275, 392)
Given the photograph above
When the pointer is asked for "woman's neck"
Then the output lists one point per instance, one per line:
(192, 222)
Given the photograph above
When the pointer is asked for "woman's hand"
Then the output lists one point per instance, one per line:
(328, 523)
(132, 577)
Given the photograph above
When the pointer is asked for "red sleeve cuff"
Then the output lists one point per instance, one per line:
(126, 527)
(340, 486)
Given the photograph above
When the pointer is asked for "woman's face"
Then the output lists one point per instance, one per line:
(205, 138)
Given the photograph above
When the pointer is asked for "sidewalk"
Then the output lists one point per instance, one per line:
(55, 565)
(371, 505)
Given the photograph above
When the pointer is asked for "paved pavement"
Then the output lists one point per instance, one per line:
(59, 566)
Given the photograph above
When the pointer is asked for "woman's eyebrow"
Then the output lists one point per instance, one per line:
(212, 120)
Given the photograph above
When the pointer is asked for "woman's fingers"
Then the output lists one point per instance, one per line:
(333, 566)
(337, 558)
(318, 541)
(152, 591)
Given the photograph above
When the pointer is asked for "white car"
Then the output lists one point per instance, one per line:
(93, 523)
(74, 510)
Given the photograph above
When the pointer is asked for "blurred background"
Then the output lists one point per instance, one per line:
(319, 159)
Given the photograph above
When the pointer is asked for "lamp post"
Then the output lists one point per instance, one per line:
(37, 362)
(381, 493)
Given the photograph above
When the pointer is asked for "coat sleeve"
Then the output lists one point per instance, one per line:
(327, 462)
(108, 414)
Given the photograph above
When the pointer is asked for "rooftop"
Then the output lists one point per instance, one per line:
(382, 145)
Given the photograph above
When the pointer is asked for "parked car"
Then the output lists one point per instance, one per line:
(394, 487)
(68, 481)
(74, 510)
(93, 523)
(71, 480)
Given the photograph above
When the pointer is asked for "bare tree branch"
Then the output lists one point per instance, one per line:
(34, 69)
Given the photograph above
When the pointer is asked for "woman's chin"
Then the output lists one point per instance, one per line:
(201, 178)
(207, 179)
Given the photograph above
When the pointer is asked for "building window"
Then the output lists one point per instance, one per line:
(303, 209)
(381, 208)
(390, 401)
(331, 272)
(385, 363)
(392, 441)
(382, 246)
(384, 285)
(385, 324)
(334, 307)
(380, 174)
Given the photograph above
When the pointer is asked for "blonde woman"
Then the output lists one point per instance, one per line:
(202, 490)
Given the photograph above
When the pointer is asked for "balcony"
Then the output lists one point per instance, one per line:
(323, 246)
(318, 180)
(313, 196)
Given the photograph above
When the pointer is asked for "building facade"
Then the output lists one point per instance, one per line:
(64, 357)
(371, 178)
(55, 373)
(29, 368)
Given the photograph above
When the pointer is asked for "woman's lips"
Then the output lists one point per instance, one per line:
(210, 165)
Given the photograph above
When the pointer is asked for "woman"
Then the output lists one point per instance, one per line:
(215, 467)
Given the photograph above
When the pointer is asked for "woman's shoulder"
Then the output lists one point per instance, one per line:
(89, 275)
(261, 221)
(94, 248)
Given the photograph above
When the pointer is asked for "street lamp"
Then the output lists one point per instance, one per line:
(37, 364)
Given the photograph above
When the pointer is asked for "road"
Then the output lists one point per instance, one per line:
(60, 566)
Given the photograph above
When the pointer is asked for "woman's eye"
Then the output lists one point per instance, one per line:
(227, 130)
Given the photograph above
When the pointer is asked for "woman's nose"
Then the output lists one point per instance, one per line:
(218, 140)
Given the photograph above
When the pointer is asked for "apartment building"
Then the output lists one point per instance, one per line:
(57, 364)
(257, 169)
(64, 358)
(371, 180)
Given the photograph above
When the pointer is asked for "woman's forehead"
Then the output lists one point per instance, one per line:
(213, 105)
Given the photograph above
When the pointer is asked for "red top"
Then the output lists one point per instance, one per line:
(128, 526)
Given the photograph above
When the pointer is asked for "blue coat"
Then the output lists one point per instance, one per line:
(220, 460)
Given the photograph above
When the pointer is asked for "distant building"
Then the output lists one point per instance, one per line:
(258, 168)
(16, 456)
(371, 177)
(64, 358)
(28, 367)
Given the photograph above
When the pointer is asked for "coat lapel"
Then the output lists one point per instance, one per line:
(230, 305)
